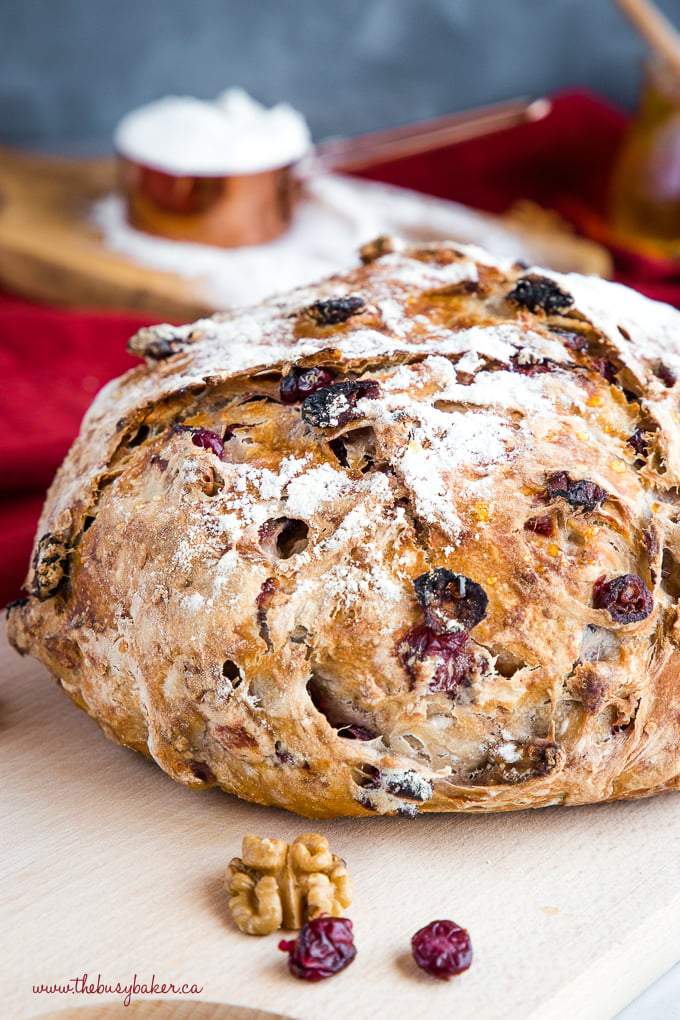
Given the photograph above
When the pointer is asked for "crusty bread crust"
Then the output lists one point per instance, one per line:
(446, 579)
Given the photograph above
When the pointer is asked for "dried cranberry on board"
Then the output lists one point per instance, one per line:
(450, 599)
(627, 598)
(336, 405)
(442, 948)
(577, 492)
(540, 293)
(333, 311)
(454, 660)
(302, 382)
(324, 946)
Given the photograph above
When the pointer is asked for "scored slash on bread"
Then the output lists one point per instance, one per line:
(404, 541)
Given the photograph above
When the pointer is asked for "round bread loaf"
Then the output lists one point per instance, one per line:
(405, 541)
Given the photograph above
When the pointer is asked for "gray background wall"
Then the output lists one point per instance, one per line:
(70, 68)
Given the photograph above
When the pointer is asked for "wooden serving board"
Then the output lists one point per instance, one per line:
(50, 251)
(110, 868)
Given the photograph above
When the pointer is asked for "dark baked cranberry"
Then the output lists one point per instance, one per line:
(666, 375)
(208, 441)
(540, 525)
(283, 755)
(302, 382)
(541, 756)
(532, 367)
(266, 592)
(450, 598)
(574, 341)
(577, 492)
(332, 311)
(409, 785)
(639, 442)
(355, 733)
(203, 438)
(627, 598)
(323, 947)
(336, 405)
(606, 368)
(455, 662)
(442, 948)
(539, 292)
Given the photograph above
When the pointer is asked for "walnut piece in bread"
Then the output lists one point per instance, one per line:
(408, 540)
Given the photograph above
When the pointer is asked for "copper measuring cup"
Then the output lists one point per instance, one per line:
(247, 209)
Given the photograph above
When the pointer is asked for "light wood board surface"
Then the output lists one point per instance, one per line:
(110, 868)
(163, 1009)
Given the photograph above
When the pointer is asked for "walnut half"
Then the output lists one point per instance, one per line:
(276, 884)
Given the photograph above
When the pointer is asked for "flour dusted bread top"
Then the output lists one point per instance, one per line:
(404, 541)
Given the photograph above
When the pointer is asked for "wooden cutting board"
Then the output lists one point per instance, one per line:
(110, 868)
(51, 251)
(163, 1009)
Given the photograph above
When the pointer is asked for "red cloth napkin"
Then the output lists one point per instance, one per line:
(52, 361)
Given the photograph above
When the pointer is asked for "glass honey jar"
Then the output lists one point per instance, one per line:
(645, 186)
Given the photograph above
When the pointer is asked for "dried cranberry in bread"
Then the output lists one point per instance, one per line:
(404, 541)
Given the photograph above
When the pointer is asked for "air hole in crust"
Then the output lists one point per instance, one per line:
(202, 771)
(139, 436)
(88, 522)
(447, 406)
(670, 575)
(284, 537)
(356, 449)
(210, 482)
(261, 397)
(299, 635)
(268, 376)
(232, 672)
(341, 715)
(598, 644)
(367, 776)
(508, 663)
